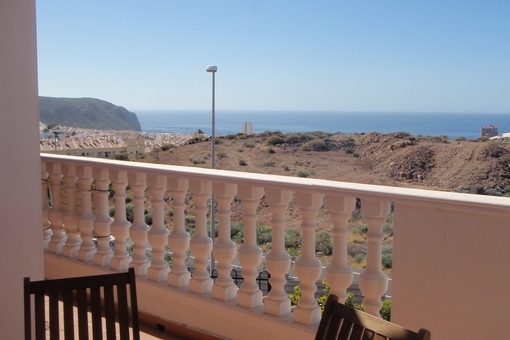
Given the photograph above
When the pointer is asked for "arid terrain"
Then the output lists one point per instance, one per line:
(396, 159)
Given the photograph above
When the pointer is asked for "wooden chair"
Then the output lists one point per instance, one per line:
(84, 294)
(342, 322)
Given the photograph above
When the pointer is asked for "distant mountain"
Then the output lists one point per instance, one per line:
(86, 113)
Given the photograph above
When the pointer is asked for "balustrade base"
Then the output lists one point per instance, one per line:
(140, 268)
(200, 286)
(307, 316)
(70, 252)
(224, 293)
(277, 308)
(120, 264)
(249, 299)
(102, 259)
(158, 274)
(178, 280)
(55, 248)
(86, 255)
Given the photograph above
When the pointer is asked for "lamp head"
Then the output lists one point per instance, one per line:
(211, 68)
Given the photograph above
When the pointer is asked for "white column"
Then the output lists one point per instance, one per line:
(103, 220)
(178, 240)
(59, 237)
(338, 273)
(70, 216)
(46, 226)
(158, 234)
(86, 217)
(373, 282)
(308, 267)
(224, 249)
(139, 229)
(201, 243)
(250, 254)
(120, 225)
(277, 260)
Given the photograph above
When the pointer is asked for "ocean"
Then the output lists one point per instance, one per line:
(452, 125)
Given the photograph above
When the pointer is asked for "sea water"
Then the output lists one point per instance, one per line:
(453, 125)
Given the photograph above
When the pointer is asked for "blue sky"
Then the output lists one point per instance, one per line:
(403, 56)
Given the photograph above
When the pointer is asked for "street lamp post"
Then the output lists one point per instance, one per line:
(212, 69)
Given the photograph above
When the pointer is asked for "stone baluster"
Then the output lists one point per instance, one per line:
(86, 217)
(201, 243)
(372, 281)
(70, 216)
(139, 229)
(46, 225)
(250, 254)
(338, 273)
(277, 260)
(308, 267)
(103, 220)
(120, 225)
(224, 250)
(59, 237)
(158, 234)
(178, 240)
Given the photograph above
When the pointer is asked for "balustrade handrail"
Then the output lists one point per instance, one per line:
(372, 191)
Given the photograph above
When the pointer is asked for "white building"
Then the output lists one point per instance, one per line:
(247, 128)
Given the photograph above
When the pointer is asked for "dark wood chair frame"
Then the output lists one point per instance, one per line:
(342, 322)
(84, 293)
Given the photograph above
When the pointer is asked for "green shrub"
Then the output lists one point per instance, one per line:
(274, 140)
(302, 173)
(249, 145)
(242, 162)
(359, 257)
(198, 161)
(360, 229)
(292, 238)
(148, 218)
(221, 155)
(270, 150)
(264, 234)
(315, 145)
(323, 242)
(130, 212)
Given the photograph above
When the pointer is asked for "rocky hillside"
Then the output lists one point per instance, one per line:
(396, 159)
(87, 113)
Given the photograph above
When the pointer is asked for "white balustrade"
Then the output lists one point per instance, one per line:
(277, 260)
(338, 273)
(59, 237)
(250, 254)
(178, 240)
(46, 226)
(139, 229)
(120, 225)
(308, 266)
(454, 215)
(70, 216)
(103, 220)
(200, 243)
(224, 249)
(158, 234)
(373, 282)
(86, 217)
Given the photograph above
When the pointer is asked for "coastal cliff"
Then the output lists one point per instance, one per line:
(87, 113)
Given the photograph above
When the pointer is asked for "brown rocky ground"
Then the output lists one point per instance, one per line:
(396, 159)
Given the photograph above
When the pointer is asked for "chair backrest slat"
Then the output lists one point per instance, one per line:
(98, 295)
(342, 322)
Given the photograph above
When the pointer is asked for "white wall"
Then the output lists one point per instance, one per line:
(20, 185)
(450, 272)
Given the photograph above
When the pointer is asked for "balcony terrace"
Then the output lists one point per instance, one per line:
(449, 249)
